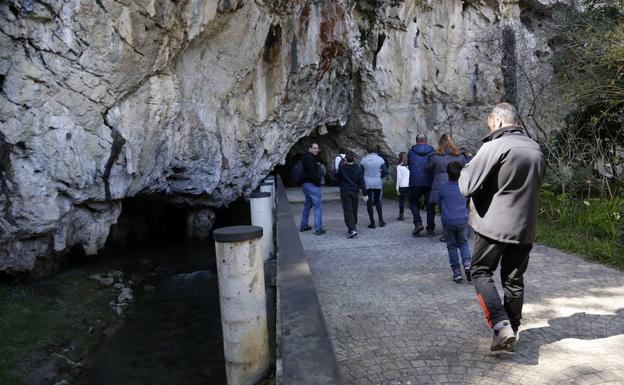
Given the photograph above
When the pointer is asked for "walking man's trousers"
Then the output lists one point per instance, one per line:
(513, 259)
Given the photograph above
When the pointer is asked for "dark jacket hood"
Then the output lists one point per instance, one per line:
(422, 149)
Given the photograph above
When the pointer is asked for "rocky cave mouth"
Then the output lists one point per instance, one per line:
(178, 99)
(152, 228)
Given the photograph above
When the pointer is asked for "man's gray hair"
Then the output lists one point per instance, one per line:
(420, 138)
(507, 113)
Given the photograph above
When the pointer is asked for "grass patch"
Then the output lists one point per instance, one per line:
(49, 314)
(572, 240)
(591, 227)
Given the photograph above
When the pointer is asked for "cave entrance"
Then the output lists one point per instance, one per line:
(329, 138)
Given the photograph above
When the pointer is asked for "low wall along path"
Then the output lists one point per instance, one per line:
(396, 317)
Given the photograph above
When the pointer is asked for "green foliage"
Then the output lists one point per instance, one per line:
(48, 315)
(389, 191)
(589, 62)
(589, 58)
(568, 240)
(594, 227)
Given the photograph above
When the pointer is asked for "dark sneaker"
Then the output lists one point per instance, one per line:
(512, 346)
(400, 218)
(504, 340)
(443, 239)
(430, 234)
(371, 226)
(302, 229)
(320, 232)
(352, 234)
(382, 223)
(468, 276)
(417, 230)
(458, 279)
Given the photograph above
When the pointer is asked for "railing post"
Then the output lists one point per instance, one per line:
(243, 303)
(261, 205)
(268, 186)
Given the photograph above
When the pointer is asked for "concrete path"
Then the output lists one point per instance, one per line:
(395, 316)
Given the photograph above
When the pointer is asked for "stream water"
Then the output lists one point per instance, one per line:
(172, 332)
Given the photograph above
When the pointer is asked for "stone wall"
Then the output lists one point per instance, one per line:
(198, 100)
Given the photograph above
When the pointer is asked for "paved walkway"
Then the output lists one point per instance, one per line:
(395, 316)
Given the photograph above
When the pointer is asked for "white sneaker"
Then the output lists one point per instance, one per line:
(504, 340)
(352, 234)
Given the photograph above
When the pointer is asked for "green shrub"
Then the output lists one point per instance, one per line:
(389, 190)
(594, 227)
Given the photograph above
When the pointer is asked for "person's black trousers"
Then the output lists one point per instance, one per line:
(349, 201)
(374, 198)
(514, 259)
(402, 194)
(413, 197)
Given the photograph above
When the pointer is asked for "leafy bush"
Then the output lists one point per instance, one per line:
(593, 226)
(389, 191)
(587, 156)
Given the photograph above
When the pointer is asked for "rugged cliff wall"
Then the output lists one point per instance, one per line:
(198, 100)
(436, 67)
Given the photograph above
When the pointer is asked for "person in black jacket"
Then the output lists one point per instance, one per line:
(420, 184)
(351, 181)
(312, 190)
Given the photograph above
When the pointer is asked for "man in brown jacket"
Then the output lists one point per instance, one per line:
(503, 181)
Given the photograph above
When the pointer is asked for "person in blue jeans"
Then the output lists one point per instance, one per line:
(455, 222)
(312, 190)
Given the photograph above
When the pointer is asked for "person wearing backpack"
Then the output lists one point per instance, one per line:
(342, 156)
(372, 165)
(351, 181)
(312, 190)
(386, 168)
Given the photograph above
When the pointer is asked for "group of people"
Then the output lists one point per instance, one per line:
(501, 184)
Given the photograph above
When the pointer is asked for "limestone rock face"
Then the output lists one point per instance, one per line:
(439, 67)
(197, 100)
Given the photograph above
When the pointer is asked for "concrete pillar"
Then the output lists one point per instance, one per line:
(270, 188)
(243, 303)
(267, 187)
(262, 215)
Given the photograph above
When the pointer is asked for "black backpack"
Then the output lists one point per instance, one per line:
(383, 170)
(296, 173)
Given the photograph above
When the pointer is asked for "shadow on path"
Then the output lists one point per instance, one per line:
(580, 326)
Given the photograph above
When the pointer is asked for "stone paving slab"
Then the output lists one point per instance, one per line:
(396, 317)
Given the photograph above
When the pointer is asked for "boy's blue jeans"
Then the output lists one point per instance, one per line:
(312, 194)
(457, 238)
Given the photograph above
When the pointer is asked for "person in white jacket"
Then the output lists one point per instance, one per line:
(402, 182)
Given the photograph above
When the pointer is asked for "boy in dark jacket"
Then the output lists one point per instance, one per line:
(455, 222)
(351, 181)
